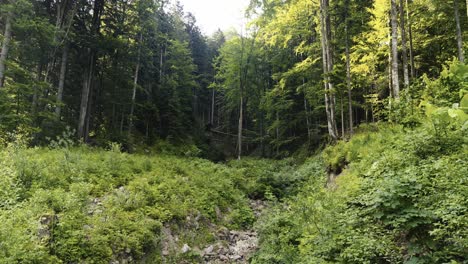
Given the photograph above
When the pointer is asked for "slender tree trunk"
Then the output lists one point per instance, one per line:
(161, 65)
(36, 89)
(327, 68)
(241, 99)
(241, 120)
(348, 83)
(394, 25)
(330, 70)
(243, 73)
(307, 118)
(410, 32)
(122, 119)
(213, 94)
(5, 47)
(85, 92)
(404, 48)
(262, 135)
(63, 71)
(461, 57)
(342, 118)
(390, 72)
(135, 84)
(88, 121)
(89, 73)
(277, 133)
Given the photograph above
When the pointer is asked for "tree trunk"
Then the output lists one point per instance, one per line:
(461, 57)
(135, 84)
(241, 119)
(87, 79)
(348, 83)
(277, 134)
(63, 71)
(327, 68)
(161, 63)
(307, 118)
(89, 117)
(404, 52)
(342, 118)
(213, 94)
(330, 70)
(410, 32)
(36, 89)
(394, 25)
(5, 47)
(243, 72)
(89, 73)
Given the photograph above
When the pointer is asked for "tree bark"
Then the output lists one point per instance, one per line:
(410, 32)
(87, 79)
(243, 73)
(342, 118)
(241, 120)
(241, 100)
(135, 84)
(36, 89)
(461, 57)
(404, 48)
(63, 71)
(394, 25)
(212, 107)
(327, 69)
(348, 83)
(306, 109)
(5, 47)
(89, 73)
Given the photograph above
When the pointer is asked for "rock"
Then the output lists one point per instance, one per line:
(168, 242)
(208, 250)
(185, 249)
(236, 257)
(219, 215)
(223, 233)
(222, 251)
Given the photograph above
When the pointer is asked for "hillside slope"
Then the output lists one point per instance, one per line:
(392, 195)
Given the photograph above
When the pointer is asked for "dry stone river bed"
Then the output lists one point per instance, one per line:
(231, 246)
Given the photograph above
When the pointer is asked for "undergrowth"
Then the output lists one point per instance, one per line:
(401, 197)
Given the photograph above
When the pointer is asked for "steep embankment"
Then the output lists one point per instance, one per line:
(401, 197)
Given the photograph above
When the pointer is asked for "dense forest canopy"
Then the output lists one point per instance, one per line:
(324, 131)
(301, 73)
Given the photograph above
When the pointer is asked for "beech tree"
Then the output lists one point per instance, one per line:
(141, 71)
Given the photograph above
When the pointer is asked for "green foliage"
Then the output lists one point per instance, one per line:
(78, 204)
(263, 179)
(445, 90)
(186, 149)
(400, 198)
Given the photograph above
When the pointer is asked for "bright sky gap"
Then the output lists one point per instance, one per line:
(214, 14)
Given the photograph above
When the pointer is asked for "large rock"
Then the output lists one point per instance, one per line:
(185, 249)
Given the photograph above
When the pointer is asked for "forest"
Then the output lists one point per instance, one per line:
(322, 131)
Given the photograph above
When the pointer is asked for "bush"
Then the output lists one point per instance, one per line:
(79, 204)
